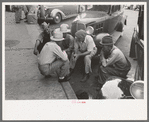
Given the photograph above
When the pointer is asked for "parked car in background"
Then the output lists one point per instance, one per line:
(132, 7)
(105, 19)
(57, 13)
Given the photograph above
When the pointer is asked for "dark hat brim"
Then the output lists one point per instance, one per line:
(106, 44)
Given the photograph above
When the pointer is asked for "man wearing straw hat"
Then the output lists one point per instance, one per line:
(53, 60)
(43, 38)
(85, 47)
(113, 61)
(68, 42)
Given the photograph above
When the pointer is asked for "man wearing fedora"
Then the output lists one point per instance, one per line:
(85, 47)
(68, 42)
(53, 60)
(43, 38)
(112, 61)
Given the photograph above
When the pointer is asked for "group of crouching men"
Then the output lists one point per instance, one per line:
(58, 51)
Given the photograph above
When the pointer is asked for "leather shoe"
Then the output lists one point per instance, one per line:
(48, 76)
(86, 77)
(65, 79)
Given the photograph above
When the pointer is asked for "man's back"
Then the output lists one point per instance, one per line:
(120, 60)
(50, 52)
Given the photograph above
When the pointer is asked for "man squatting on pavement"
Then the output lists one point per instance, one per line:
(43, 38)
(84, 46)
(68, 42)
(52, 59)
(112, 61)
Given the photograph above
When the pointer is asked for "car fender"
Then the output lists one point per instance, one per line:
(120, 27)
(55, 11)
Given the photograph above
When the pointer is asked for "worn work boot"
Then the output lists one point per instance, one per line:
(48, 76)
(86, 77)
(65, 79)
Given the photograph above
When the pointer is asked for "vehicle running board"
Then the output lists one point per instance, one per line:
(115, 35)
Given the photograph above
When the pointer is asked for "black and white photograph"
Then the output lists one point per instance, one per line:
(62, 60)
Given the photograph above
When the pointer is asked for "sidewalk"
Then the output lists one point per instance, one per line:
(23, 80)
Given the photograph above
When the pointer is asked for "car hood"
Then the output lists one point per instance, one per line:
(90, 16)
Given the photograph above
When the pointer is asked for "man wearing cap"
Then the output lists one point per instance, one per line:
(113, 61)
(68, 42)
(53, 60)
(43, 38)
(84, 46)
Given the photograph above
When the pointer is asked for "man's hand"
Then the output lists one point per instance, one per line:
(36, 52)
(76, 56)
(64, 52)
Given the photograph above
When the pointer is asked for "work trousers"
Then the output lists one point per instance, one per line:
(107, 72)
(60, 67)
(87, 61)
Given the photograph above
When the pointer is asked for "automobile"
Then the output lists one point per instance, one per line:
(137, 45)
(136, 7)
(130, 7)
(105, 19)
(57, 13)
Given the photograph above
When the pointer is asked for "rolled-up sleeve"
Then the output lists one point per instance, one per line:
(40, 37)
(90, 43)
(61, 54)
(112, 58)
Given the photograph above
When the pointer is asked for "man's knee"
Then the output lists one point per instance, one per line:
(44, 73)
(87, 58)
(66, 62)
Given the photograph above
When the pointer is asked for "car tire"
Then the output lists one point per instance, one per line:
(58, 18)
(119, 27)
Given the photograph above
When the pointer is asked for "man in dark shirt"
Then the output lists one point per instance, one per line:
(113, 61)
(43, 38)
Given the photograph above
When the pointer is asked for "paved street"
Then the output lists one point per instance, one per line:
(22, 78)
(124, 42)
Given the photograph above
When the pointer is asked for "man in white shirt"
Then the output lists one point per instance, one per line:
(84, 46)
(52, 59)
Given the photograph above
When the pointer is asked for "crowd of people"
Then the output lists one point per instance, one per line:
(58, 51)
(28, 12)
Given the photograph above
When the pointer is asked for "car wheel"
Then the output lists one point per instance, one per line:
(57, 19)
(119, 27)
